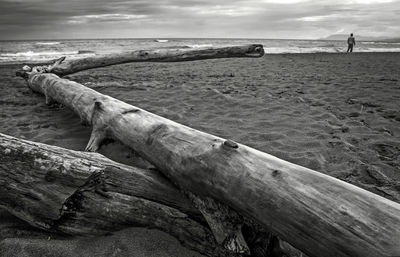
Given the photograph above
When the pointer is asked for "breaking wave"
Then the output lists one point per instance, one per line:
(301, 50)
(379, 43)
(42, 56)
(31, 53)
(47, 43)
(200, 45)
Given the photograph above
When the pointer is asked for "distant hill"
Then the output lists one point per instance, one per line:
(393, 40)
(358, 37)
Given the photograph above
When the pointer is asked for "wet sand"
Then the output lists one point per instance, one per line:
(335, 113)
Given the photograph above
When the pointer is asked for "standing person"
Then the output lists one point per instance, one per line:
(351, 41)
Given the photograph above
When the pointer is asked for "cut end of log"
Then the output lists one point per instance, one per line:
(256, 50)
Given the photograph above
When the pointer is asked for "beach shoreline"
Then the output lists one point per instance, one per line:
(41, 51)
(343, 52)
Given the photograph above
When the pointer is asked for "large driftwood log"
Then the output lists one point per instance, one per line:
(316, 213)
(82, 193)
(64, 66)
(86, 194)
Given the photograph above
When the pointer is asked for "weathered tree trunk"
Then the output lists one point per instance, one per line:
(316, 213)
(64, 66)
(86, 194)
(81, 193)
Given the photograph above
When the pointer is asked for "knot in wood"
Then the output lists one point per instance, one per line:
(231, 144)
(275, 173)
(98, 106)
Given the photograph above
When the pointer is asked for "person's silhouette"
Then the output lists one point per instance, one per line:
(351, 41)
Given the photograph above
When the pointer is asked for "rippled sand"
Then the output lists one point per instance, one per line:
(335, 113)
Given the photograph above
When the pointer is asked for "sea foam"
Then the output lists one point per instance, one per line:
(32, 53)
(47, 43)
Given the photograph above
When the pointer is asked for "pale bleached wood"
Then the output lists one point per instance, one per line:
(316, 213)
(65, 66)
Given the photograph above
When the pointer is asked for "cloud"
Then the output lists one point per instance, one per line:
(196, 18)
(368, 1)
(109, 17)
(319, 18)
(216, 10)
(284, 1)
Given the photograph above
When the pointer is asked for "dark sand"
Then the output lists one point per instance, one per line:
(335, 113)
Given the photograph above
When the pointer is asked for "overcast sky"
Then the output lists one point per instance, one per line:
(55, 19)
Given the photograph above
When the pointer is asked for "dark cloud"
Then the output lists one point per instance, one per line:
(28, 19)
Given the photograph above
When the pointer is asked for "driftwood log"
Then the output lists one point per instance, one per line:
(86, 194)
(64, 66)
(82, 193)
(316, 213)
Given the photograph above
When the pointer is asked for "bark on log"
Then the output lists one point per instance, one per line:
(86, 194)
(79, 193)
(316, 213)
(64, 66)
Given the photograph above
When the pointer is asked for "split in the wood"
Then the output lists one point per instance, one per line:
(225, 224)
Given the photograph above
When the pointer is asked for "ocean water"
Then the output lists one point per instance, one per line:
(45, 50)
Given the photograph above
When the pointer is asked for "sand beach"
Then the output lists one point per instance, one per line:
(338, 114)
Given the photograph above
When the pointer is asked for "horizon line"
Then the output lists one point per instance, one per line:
(172, 38)
(105, 38)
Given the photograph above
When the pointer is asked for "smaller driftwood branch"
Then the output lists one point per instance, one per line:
(64, 66)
